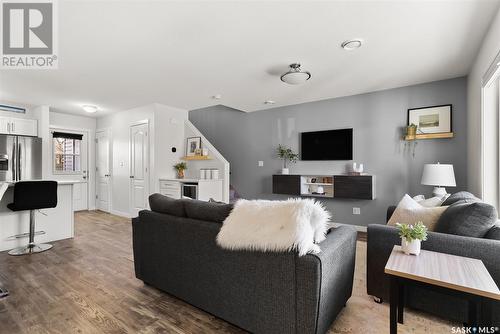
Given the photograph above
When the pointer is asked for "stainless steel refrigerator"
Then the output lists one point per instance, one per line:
(20, 158)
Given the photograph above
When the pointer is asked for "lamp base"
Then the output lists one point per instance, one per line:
(439, 192)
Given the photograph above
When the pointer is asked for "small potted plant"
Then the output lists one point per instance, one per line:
(411, 130)
(180, 167)
(286, 154)
(412, 237)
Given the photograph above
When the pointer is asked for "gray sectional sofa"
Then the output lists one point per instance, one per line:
(175, 251)
(457, 219)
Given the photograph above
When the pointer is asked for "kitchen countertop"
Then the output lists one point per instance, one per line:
(61, 182)
(188, 180)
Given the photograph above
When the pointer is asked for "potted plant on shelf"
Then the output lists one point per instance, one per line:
(286, 154)
(180, 167)
(411, 131)
(412, 237)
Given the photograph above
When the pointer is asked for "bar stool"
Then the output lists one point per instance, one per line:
(33, 195)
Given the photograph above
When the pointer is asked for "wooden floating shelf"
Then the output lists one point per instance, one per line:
(197, 157)
(430, 136)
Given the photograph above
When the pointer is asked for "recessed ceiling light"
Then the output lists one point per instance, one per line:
(352, 44)
(295, 76)
(90, 108)
(269, 102)
(217, 97)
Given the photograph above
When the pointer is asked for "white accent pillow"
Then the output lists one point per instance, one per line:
(433, 201)
(409, 211)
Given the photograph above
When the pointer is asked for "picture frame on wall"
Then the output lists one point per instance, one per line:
(193, 145)
(434, 119)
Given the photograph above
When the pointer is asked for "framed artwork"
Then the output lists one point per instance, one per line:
(193, 145)
(435, 119)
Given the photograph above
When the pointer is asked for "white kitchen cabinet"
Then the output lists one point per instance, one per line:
(19, 126)
(210, 189)
(4, 125)
(206, 189)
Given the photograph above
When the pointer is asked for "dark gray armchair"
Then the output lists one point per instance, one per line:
(382, 238)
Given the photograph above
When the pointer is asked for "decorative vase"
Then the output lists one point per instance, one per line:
(285, 171)
(180, 173)
(412, 247)
(411, 132)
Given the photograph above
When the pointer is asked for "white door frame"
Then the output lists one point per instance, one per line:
(148, 159)
(87, 133)
(109, 132)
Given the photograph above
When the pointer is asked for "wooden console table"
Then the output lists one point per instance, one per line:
(447, 273)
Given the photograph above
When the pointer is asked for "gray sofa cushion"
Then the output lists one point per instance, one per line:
(208, 211)
(164, 204)
(467, 219)
(460, 196)
(494, 232)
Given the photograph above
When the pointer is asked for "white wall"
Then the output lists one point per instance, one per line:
(166, 130)
(169, 122)
(486, 55)
(77, 124)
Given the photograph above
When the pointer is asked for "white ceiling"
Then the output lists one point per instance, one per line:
(119, 55)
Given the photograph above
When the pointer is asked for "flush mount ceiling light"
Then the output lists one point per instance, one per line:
(352, 44)
(216, 97)
(89, 108)
(295, 76)
(269, 102)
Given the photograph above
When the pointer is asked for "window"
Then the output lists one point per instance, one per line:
(66, 148)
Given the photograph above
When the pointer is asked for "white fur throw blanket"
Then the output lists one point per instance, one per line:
(295, 224)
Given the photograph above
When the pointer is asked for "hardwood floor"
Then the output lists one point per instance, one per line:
(87, 285)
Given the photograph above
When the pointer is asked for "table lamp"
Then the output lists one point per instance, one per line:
(439, 176)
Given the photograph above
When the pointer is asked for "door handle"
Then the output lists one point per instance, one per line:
(107, 175)
(131, 176)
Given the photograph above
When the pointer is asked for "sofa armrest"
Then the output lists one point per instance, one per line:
(382, 238)
(333, 273)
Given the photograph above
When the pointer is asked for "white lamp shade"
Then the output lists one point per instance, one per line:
(441, 175)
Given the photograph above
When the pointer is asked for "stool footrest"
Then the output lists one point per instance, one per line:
(30, 249)
(24, 235)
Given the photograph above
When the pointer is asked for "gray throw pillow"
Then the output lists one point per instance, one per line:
(164, 204)
(208, 211)
(460, 196)
(467, 219)
(494, 232)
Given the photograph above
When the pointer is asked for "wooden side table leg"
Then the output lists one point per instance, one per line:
(401, 302)
(394, 298)
(486, 313)
(472, 313)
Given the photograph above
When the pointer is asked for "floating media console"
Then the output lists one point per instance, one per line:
(326, 186)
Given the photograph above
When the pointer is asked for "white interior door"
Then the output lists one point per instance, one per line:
(103, 172)
(139, 173)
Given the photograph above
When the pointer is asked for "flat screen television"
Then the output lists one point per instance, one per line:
(326, 145)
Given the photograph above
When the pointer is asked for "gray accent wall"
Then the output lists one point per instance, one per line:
(377, 118)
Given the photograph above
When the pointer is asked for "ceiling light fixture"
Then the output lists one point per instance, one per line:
(90, 108)
(352, 44)
(295, 76)
(217, 97)
(269, 102)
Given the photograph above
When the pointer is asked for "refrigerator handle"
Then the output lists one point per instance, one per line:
(14, 165)
(19, 167)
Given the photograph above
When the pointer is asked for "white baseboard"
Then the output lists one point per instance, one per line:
(121, 214)
(357, 227)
